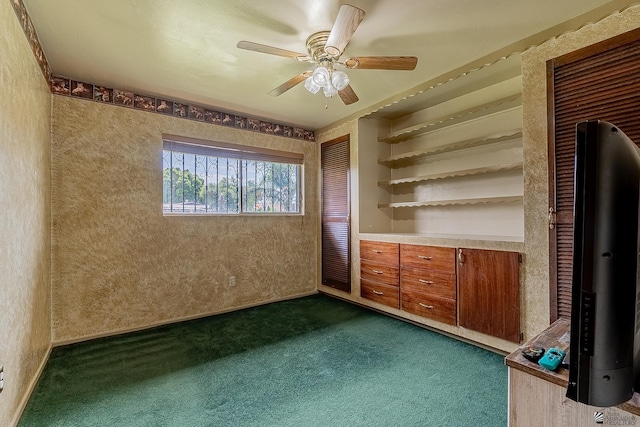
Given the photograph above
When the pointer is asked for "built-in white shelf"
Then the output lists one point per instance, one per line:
(451, 202)
(496, 106)
(454, 173)
(454, 146)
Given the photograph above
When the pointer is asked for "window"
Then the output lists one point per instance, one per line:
(202, 177)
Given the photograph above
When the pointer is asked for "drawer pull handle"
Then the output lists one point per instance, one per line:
(430, 307)
(378, 251)
(428, 258)
(378, 271)
(426, 282)
(378, 292)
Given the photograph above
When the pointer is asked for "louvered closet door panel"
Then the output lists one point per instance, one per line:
(599, 82)
(336, 270)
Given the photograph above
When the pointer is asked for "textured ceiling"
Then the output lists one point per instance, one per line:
(186, 49)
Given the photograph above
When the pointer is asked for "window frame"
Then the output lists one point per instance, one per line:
(244, 154)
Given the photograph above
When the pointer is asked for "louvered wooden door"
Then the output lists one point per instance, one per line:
(336, 266)
(599, 82)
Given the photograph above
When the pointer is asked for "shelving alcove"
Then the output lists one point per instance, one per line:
(442, 172)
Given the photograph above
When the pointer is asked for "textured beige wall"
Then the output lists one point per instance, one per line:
(536, 283)
(25, 267)
(119, 264)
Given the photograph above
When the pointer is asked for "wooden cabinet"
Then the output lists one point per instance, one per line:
(476, 289)
(380, 293)
(537, 396)
(428, 282)
(432, 258)
(382, 252)
(435, 283)
(488, 292)
(379, 272)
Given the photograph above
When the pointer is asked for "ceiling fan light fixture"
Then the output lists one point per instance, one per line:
(311, 86)
(320, 76)
(324, 49)
(340, 80)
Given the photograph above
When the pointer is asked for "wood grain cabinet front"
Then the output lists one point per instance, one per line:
(429, 257)
(382, 252)
(471, 288)
(380, 272)
(489, 292)
(377, 272)
(380, 293)
(428, 282)
(434, 283)
(440, 309)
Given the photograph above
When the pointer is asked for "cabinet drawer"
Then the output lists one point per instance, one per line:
(386, 253)
(432, 257)
(440, 309)
(380, 273)
(428, 282)
(380, 293)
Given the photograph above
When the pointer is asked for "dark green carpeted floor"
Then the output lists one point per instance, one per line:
(314, 361)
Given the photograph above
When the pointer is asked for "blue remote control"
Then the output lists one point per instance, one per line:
(552, 359)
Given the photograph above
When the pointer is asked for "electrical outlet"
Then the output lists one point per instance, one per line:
(232, 280)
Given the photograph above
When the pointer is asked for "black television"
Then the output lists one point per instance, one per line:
(604, 339)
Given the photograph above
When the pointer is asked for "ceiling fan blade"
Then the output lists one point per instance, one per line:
(382, 63)
(348, 19)
(348, 96)
(262, 48)
(290, 83)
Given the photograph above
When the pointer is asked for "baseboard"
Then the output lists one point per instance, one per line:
(60, 343)
(421, 325)
(32, 386)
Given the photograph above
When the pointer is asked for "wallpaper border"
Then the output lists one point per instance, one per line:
(64, 86)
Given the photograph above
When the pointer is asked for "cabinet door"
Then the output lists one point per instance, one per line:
(489, 292)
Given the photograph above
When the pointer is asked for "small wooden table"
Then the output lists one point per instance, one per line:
(537, 396)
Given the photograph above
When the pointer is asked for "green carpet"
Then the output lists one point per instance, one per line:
(314, 361)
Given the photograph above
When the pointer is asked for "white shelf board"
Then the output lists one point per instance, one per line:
(502, 104)
(454, 173)
(453, 202)
(454, 146)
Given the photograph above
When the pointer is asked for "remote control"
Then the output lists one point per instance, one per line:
(552, 359)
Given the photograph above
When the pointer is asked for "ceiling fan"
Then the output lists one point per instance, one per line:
(325, 49)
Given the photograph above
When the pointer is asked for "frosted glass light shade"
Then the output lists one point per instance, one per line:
(311, 86)
(329, 90)
(320, 76)
(339, 79)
